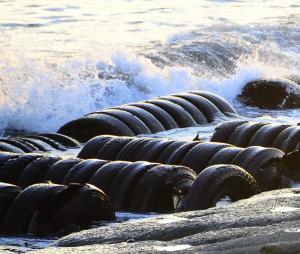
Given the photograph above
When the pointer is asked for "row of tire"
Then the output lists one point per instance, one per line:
(195, 155)
(244, 133)
(42, 143)
(152, 116)
(132, 186)
(51, 209)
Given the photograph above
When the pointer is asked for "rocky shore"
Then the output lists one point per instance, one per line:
(265, 223)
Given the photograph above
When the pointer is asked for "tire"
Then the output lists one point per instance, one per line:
(36, 171)
(85, 205)
(11, 170)
(5, 156)
(91, 148)
(159, 186)
(105, 175)
(5, 147)
(224, 131)
(111, 149)
(29, 143)
(243, 134)
(94, 125)
(19, 215)
(151, 150)
(49, 141)
(221, 104)
(198, 157)
(135, 151)
(181, 117)
(59, 170)
(197, 115)
(123, 185)
(150, 121)
(217, 181)
(83, 171)
(205, 106)
(39, 144)
(225, 156)
(21, 145)
(288, 139)
(161, 115)
(266, 135)
(166, 153)
(134, 123)
(178, 154)
(64, 140)
(8, 193)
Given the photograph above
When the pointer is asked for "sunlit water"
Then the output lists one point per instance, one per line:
(63, 59)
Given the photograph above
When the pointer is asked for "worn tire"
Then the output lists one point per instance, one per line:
(288, 139)
(216, 181)
(177, 155)
(225, 156)
(167, 152)
(64, 140)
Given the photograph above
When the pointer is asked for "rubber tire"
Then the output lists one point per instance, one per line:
(167, 152)
(218, 180)
(225, 156)
(161, 115)
(59, 169)
(288, 139)
(198, 157)
(178, 154)
(181, 117)
(224, 131)
(5, 147)
(49, 141)
(105, 175)
(64, 140)
(17, 143)
(85, 128)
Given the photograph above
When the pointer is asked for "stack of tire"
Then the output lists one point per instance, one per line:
(195, 155)
(152, 116)
(134, 186)
(42, 142)
(51, 209)
(245, 133)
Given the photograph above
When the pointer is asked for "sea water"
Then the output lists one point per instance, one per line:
(63, 59)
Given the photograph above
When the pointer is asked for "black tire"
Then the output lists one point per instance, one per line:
(28, 143)
(181, 117)
(198, 157)
(85, 128)
(221, 104)
(104, 176)
(135, 151)
(133, 122)
(156, 190)
(111, 149)
(39, 144)
(178, 154)
(5, 156)
(8, 193)
(49, 141)
(91, 148)
(288, 139)
(266, 135)
(19, 215)
(209, 109)
(197, 115)
(59, 169)
(64, 140)
(151, 150)
(123, 185)
(150, 121)
(36, 171)
(161, 115)
(225, 156)
(23, 146)
(243, 134)
(166, 153)
(223, 132)
(5, 147)
(11, 170)
(83, 171)
(217, 181)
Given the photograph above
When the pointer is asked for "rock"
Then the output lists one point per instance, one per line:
(246, 226)
(271, 94)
